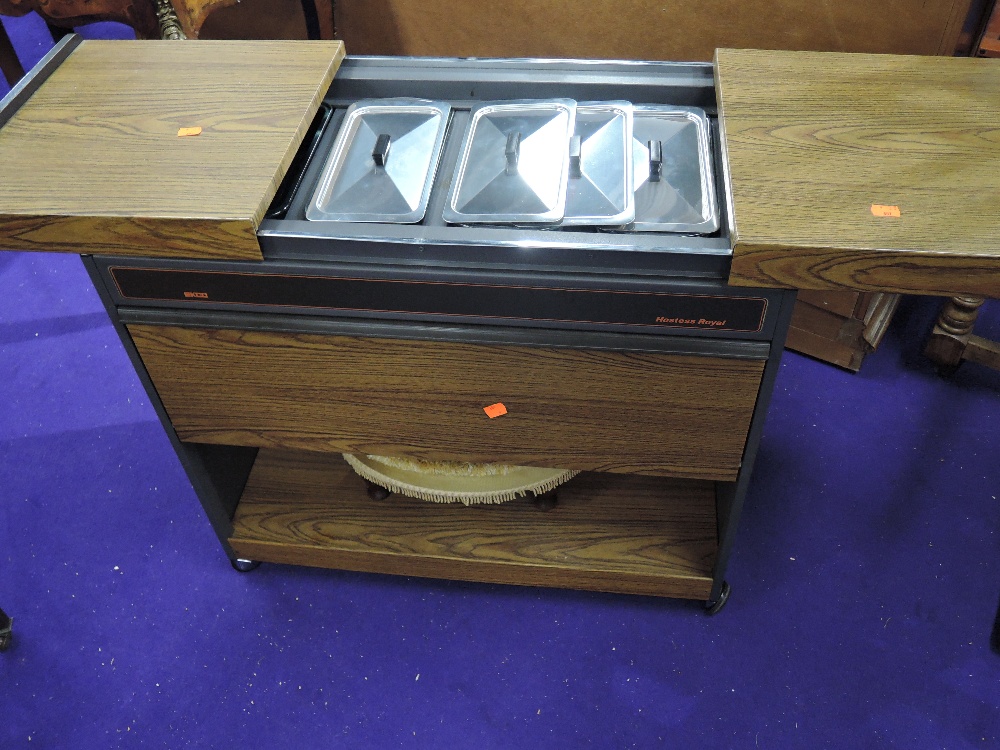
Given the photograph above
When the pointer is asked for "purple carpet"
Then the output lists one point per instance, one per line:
(865, 582)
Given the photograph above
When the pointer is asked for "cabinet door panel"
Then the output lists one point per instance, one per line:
(660, 414)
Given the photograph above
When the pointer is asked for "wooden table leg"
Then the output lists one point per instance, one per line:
(62, 16)
(952, 342)
(10, 66)
(170, 26)
(325, 16)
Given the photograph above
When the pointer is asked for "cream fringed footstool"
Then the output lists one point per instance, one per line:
(456, 481)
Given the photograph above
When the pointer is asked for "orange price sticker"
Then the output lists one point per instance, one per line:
(185, 132)
(495, 410)
(878, 210)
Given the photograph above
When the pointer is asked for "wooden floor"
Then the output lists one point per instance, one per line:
(609, 532)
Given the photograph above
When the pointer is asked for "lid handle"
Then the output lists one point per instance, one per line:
(513, 151)
(575, 154)
(655, 160)
(380, 154)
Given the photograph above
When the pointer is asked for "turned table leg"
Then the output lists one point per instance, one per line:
(170, 26)
(952, 342)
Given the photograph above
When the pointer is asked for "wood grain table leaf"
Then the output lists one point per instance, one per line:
(813, 140)
(93, 164)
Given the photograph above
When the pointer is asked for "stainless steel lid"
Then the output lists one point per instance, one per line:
(513, 164)
(382, 163)
(599, 191)
(672, 167)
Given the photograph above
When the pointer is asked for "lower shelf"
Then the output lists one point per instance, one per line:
(609, 532)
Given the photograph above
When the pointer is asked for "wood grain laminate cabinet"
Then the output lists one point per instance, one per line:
(661, 438)
(260, 402)
(637, 413)
(260, 389)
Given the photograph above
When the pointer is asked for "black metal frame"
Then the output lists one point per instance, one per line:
(218, 473)
(31, 82)
(464, 83)
(730, 496)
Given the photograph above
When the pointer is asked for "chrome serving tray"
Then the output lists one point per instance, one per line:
(600, 191)
(383, 162)
(514, 163)
(672, 170)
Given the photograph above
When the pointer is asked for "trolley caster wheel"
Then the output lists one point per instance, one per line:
(377, 491)
(947, 371)
(6, 632)
(245, 566)
(995, 634)
(546, 501)
(713, 608)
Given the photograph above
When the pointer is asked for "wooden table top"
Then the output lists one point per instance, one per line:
(93, 163)
(814, 141)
